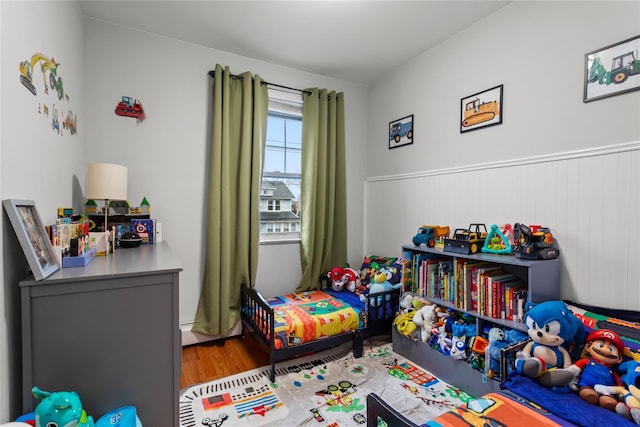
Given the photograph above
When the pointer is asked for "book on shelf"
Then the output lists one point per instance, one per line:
(511, 288)
(483, 292)
(468, 281)
(497, 293)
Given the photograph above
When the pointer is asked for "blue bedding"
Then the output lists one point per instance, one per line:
(567, 406)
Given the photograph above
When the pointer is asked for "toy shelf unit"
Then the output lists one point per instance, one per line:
(488, 289)
(486, 286)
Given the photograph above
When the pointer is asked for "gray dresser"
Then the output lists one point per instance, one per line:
(108, 331)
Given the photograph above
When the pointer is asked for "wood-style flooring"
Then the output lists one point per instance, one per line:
(217, 359)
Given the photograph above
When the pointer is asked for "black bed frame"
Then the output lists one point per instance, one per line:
(254, 307)
(378, 408)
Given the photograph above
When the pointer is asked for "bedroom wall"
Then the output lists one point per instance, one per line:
(555, 161)
(36, 162)
(167, 154)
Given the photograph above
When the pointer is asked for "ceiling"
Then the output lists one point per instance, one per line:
(356, 41)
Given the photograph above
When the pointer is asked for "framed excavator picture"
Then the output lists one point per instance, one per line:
(481, 110)
(612, 70)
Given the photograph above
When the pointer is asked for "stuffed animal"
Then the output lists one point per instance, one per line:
(62, 408)
(406, 303)
(630, 376)
(603, 352)
(344, 279)
(424, 318)
(458, 348)
(553, 329)
(405, 325)
(336, 277)
(497, 342)
(381, 283)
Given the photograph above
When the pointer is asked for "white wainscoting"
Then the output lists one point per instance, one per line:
(590, 199)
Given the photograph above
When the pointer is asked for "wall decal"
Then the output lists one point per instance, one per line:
(130, 107)
(56, 115)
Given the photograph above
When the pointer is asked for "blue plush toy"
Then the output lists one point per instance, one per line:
(381, 283)
(553, 329)
(62, 408)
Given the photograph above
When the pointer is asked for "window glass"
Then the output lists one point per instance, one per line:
(280, 193)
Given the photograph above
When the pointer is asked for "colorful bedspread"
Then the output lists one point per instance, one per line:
(306, 316)
(498, 409)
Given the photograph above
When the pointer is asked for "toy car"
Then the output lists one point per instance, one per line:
(466, 241)
(428, 234)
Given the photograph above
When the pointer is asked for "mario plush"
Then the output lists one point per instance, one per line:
(603, 352)
(553, 329)
(629, 408)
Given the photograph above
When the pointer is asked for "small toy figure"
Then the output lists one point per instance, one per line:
(424, 318)
(553, 329)
(62, 408)
(603, 351)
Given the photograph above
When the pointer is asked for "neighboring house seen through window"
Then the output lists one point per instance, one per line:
(280, 192)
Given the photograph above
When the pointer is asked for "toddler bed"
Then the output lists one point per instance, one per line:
(295, 324)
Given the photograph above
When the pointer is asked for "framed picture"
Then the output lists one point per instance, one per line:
(481, 110)
(612, 70)
(32, 236)
(401, 132)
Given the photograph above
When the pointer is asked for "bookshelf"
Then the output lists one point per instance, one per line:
(540, 280)
(445, 279)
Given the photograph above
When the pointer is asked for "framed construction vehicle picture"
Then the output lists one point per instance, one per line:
(481, 109)
(401, 132)
(612, 70)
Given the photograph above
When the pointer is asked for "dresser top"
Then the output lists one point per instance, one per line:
(143, 260)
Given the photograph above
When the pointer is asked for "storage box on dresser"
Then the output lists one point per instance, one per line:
(542, 279)
(108, 331)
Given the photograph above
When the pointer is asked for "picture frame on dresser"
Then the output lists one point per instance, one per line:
(32, 236)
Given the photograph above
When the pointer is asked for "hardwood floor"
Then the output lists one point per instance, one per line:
(220, 358)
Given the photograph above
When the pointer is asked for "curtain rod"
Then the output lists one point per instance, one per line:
(233, 76)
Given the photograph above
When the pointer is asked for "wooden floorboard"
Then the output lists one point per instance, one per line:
(217, 359)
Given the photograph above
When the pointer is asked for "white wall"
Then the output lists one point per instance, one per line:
(557, 161)
(167, 154)
(36, 163)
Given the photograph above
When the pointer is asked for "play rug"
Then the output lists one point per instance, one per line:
(328, 388)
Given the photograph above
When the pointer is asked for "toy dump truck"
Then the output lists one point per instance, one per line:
(429, 234)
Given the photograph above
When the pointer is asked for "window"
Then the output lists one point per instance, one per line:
(280, 192)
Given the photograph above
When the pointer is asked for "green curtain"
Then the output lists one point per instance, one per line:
(240, 110)
(323, 228)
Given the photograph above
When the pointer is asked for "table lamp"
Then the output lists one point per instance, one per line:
(106, 181)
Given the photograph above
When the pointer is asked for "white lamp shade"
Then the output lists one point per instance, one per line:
(106, 181)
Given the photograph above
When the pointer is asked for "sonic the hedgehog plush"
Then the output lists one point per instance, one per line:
(553, 329)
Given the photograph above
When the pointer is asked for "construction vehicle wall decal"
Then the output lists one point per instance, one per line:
(46, 64)
(59, 117)
(130, 107)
